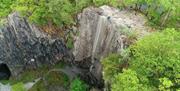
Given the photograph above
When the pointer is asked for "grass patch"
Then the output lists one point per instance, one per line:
(40, 86)
(18, 87)
(57, 78)
(78, 85)
(29, 75)
(52, 80)
(60, 65)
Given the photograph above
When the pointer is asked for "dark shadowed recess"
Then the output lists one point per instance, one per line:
(4, 72)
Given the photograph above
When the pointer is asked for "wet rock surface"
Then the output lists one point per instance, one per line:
(23, 46)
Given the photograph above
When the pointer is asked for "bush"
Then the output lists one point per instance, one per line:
(111, 66)
(114, 3)
(78, 85)
(165, 84)
(127, 81)
(5, 7)
(153, 60)
(57, 12)
(62, 12)
(157, 56)
(159, 12)
(18, 87)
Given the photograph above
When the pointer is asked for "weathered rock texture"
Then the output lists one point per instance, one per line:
(23, 46)
(104, 30)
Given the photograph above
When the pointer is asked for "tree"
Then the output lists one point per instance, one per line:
(78, 85)
(127, 81)
(5, 7)
(157, 56)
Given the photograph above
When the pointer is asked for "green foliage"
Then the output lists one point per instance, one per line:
(165, 84)
(127, 81)
(39, 86)
(62, 12)
(18, 87)
(80, 4)
(111, 66)
(78, 85)
(70, 43)
(29, 75)
(51, 80)
(58, 12)
(100, 2)
(57, 78)
(157, 56)
(114, 64)
(114, 3)
(159, 12)
(154, 59)
(5, 7)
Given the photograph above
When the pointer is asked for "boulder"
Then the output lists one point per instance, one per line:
(24, 46)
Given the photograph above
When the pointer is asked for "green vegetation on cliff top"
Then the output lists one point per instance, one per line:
(63, 12)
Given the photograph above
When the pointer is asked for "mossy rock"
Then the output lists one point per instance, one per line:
(29, 75)
(54, 81)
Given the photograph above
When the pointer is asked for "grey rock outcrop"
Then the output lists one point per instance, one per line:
(104, 30)
(23, 46)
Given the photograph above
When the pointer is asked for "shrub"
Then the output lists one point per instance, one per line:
(41, 12)
(159, 12)
(62, 12)
(157, 56)
(5, 7)
(127, 81)
(100, 2)
(165, 84)
(80, 4)
(114, 3)
(111, 66)
(154, 59)
(18, 87)
(78, 85)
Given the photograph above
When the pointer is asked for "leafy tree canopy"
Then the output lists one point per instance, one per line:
(153, 62)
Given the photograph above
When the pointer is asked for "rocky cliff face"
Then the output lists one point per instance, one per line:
(102, 31)
(23, 46)
(105, 30)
